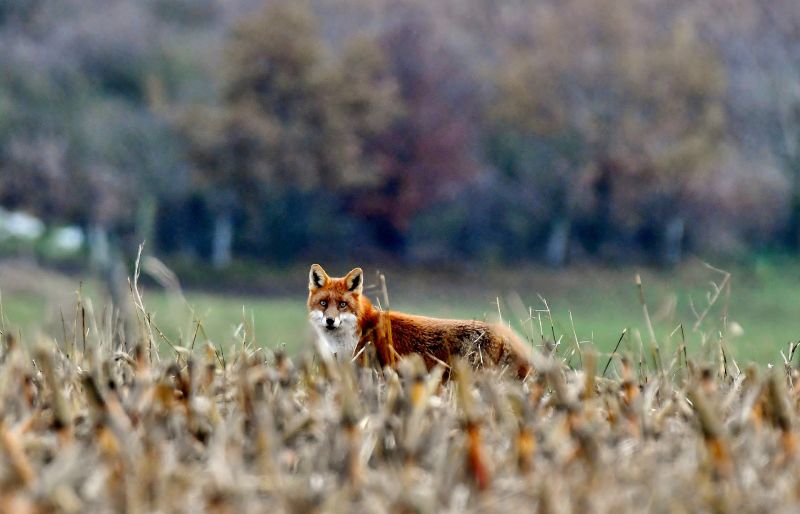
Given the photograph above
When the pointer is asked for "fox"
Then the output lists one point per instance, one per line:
(346, 323)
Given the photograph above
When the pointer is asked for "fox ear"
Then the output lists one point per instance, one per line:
(317, 277)
(354, 281)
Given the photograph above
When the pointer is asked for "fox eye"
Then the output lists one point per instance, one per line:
(324, 303)
(342, 305)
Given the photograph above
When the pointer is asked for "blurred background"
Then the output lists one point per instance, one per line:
(467, 148)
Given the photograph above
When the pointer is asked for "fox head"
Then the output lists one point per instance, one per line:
(333, 306)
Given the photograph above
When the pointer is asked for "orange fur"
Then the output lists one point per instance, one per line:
(395, 334)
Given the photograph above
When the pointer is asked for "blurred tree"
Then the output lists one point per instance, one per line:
(760, 42)
(35, 135)
(429, 153)
(636, 106)
(316, 122)
(79, 142)
(292, 118)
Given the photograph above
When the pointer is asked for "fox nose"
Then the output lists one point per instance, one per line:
(330, 321)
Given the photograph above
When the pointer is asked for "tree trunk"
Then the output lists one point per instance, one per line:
(673, 241)
(222, 241)
(557, 249)
(599, 225)
(99, 247)
(146, 221)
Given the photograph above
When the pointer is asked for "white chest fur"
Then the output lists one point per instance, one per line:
(342, 340)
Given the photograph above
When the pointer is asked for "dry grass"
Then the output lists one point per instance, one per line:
(99, 421)
(104, 430)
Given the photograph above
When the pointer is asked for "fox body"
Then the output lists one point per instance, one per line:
(346, 322)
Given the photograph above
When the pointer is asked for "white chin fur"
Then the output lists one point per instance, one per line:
(341, 340)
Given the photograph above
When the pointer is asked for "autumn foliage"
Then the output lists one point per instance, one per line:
(524, 130)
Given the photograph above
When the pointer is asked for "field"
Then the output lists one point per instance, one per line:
(224, 419)
(91, 429)
(593, 305)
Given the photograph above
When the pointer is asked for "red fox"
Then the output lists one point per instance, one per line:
(346, 322)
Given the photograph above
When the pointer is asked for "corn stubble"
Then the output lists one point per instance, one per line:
(110, 431)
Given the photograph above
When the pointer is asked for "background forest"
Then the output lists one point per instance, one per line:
(552, 131)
